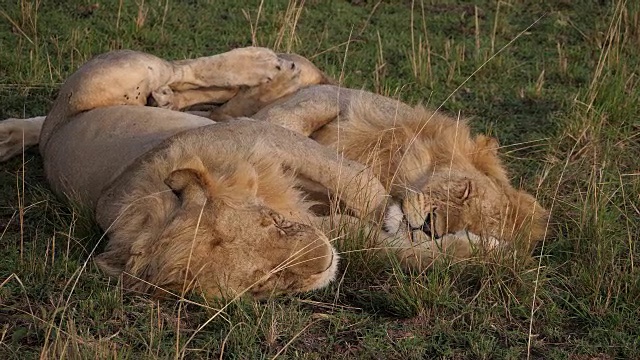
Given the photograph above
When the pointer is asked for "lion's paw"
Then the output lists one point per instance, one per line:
(163, 98)
(18, 134)
(259, 66)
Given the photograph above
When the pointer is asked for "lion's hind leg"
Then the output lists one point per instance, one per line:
(17, 135)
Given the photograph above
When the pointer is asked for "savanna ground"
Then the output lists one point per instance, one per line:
(557, 83)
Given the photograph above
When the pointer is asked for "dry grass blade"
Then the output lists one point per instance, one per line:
(560, 94)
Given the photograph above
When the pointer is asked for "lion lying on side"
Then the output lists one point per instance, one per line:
(453, 191)
(188, 203)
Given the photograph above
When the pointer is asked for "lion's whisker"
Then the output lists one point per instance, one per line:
(297, 255)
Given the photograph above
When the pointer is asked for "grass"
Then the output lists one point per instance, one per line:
(562, 99)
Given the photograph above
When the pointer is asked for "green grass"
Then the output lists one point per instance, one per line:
(562, 99)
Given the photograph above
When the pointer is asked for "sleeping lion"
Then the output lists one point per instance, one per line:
(189, 203)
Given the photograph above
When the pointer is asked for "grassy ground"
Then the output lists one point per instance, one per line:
(562, 98)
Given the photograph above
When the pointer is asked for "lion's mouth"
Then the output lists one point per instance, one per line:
(396, 221)
(333, 255)
(327, 275)
(426, 227)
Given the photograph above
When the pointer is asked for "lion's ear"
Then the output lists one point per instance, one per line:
(189, 185)
(487, 145)
(461, 190)
(485, 158)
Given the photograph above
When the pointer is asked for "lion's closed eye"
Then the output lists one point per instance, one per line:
(277, 221)
(266, 221)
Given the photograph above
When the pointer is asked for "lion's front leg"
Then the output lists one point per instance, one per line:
(298, 73)
(249, 100)
(411, 254)
(308, 109)
(420, 255)
(351, 182)
(218, 78)
(18, 134)
(250, 66)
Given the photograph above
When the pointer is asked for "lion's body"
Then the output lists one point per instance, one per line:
(428, 161)
(107, 153)
(186, 201)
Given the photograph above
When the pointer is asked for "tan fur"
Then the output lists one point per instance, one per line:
(454, 191)
(188, 204)
(249, 100)
(17, 135)
(240, 237)
(430, 163)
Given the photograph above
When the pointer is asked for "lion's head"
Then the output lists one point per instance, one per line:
(454, 202)
(466, 189)
(237, 228)
(445, 180)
